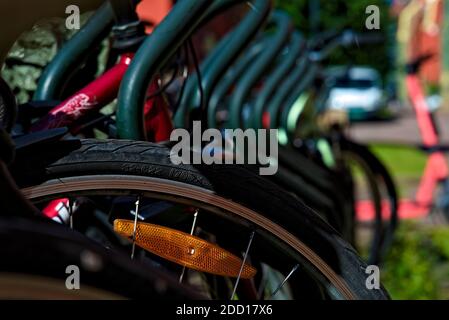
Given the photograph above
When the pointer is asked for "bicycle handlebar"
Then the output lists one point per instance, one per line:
(346, 38)
(413, 67)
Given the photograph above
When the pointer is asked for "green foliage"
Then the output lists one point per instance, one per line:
(338, 14)
(417, 265)
(406, 164)
(32, 52)
(403, 161)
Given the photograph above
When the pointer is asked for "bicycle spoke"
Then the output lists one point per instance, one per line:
(243, 264)
(70, 213)
(136, 214)
(263, 283)
(284, 282)
(195, 215)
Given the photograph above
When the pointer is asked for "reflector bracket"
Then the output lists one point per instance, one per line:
(184, 249)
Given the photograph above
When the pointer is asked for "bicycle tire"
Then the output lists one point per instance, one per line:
(382, 174)
(239, 189)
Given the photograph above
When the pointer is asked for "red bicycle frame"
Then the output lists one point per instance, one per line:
(92, 98)
(101, 92)
(436, 169)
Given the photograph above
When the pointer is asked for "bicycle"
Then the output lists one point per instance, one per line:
(24, 275)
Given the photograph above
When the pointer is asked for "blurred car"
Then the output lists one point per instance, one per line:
(356, 90)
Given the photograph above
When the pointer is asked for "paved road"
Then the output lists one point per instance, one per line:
(403, 129)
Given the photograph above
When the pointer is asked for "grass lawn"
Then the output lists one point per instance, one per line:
(404, 162)
(406, 165)
(417, 266)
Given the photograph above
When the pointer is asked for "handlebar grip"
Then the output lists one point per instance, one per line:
(320, 40)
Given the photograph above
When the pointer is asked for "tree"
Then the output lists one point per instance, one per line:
(339, 14)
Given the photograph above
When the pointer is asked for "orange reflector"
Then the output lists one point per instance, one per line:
(184, 249)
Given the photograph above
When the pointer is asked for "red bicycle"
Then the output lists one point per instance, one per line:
(436, 172)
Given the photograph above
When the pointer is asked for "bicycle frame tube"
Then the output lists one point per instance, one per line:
(94, 96)
(423, 117)
(72, 53)
(436, 167)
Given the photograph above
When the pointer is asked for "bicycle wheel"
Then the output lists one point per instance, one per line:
(61, 253)
(362, 171)
(382, 188)
(235, 205)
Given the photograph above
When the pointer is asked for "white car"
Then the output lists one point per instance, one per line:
(357, 90)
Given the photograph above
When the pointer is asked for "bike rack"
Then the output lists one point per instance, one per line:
(152, 54)
(295, 50)
(295, 77)
(221, 58)
(231, 77)
(259, 67)
(291, 111)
